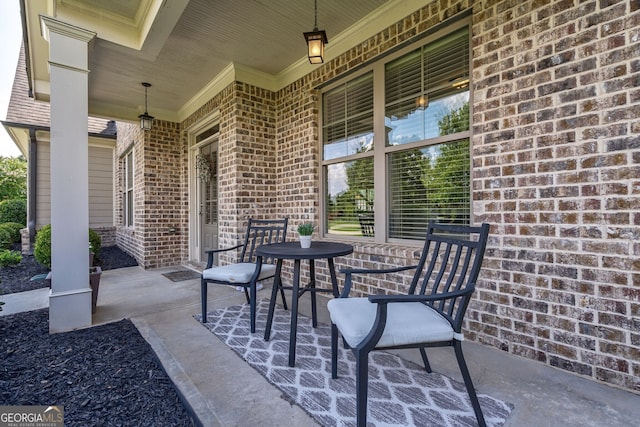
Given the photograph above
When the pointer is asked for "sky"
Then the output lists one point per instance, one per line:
(10, 39)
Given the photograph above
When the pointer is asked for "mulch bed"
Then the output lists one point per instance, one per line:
(104, 375)
(18, 278)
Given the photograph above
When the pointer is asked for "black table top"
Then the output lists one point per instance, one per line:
(292, 250)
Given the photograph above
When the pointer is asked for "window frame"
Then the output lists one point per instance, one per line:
(128, 188)
(380, 151)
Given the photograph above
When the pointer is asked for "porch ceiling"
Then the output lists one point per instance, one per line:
(187, 49)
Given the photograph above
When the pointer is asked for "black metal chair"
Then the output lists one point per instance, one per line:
(366, 224)
(246, 273)
(431, 315)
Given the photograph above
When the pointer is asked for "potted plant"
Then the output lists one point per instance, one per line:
(42, 254)
(305, 231)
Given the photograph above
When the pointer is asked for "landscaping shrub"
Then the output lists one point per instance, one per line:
(14, 228)
(13, 211)
(42, 247)
(9, 258)
(6, 242)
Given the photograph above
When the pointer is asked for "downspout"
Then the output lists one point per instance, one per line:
(32, 187)
(25, 41)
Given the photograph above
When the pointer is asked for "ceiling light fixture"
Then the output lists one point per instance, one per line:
(422, 101)
(316, 40)
(146, 121)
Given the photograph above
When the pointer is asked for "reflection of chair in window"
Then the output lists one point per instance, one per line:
(431, 315)
(366, 224)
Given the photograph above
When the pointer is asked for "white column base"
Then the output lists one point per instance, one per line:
(69, 310)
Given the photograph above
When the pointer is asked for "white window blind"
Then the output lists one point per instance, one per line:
(423, 101)
(348, 118)
(428, 184)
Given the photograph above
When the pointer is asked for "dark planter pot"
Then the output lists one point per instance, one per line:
(94, 281)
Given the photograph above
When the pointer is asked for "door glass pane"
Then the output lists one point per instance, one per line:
(210, 188)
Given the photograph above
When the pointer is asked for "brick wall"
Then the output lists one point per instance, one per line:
(159, 236)
(555, 164)
(556, 137)
(130, 137)
(555, 172)
(162, 220)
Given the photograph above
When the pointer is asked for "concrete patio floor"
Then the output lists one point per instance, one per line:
(223, 390)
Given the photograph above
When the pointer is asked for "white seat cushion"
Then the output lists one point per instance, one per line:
(407, 323)
(238, 273)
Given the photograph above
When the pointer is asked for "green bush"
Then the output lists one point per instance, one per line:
(8, 258)
(6, 242)
(94, 241)
(42, 248)
(14, 228)
(13, 211)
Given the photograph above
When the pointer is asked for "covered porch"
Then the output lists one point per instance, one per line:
(548, 132)
(223, 389)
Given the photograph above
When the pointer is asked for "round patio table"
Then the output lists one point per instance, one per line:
(293, 251)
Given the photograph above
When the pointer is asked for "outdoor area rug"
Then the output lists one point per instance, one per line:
(180, 275)
(401, 393)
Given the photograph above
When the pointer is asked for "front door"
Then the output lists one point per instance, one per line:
(207, 169)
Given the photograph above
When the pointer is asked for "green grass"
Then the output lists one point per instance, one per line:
(350, 228)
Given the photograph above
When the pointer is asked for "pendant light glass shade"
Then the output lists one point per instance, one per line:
(316, 40)
(146, 121)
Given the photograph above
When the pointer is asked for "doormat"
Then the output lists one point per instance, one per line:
(180, 275)
(401, 393)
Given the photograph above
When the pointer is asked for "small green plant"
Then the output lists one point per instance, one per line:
(94, 242)
(305, 229)
(9, 258)
(42, 247)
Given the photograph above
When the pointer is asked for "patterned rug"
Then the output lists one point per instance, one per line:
(401, 393)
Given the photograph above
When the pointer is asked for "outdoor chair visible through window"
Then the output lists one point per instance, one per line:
(366, 224)
(430, 315)
(245, 273)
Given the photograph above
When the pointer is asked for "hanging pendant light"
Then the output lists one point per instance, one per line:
(422, 101)
(146, 121)
(316, 40)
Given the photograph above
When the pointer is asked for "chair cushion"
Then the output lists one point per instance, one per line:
(407, 323)
(238, 273)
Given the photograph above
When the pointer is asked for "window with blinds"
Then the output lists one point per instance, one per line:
(348, 118)
(347, 132)
(128, 190)
(424, 86)
(428, 184)
(423, 100)
(349, 197)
